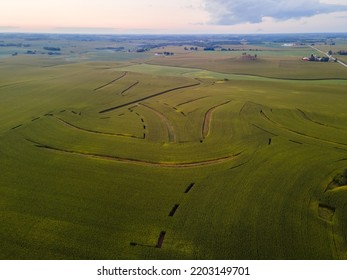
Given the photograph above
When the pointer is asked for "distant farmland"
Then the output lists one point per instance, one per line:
(172, 158)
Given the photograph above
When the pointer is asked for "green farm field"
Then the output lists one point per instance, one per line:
(195, 156)
(284, 64)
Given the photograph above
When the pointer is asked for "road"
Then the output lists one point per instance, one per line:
(330, 56)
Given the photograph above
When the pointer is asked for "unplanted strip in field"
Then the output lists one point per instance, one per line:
(266, 117)
(141, 245)
(137, 161)
(173, 211)
(190, 101)
(189, 188)
(175, 109)
(208, 117)
(242, 108)
(158, 245)
(296, 142)
(239, 165)
(18, 126)
(129, 87)
(131, 109)
(111, 82)
(170, 129)
(94, 131)
(161, 239)
(301, 133)
(306, 117)
(264, 129)
(247, 103)
(148, 97)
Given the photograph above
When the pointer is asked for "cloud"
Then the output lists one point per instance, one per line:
(231, 12)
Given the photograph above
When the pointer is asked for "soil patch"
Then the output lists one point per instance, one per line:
(188, 189)
(161, 239)
(173, 211)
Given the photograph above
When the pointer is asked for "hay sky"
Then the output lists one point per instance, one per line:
(176, 16)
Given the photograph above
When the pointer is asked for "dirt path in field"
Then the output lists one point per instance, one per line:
(208, 117)
(113, 81)
(94, 131)
(169, 128)
(148, 97)
(138, 161)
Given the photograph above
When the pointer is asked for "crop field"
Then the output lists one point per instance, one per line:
(269, 64)
(194, 156)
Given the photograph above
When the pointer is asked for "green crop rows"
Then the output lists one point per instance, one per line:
(97, 162)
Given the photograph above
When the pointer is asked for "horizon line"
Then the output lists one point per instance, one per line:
(164, 34)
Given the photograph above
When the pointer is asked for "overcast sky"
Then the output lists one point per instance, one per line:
(175, 16)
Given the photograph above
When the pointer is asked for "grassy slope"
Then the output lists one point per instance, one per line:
(261, 204)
